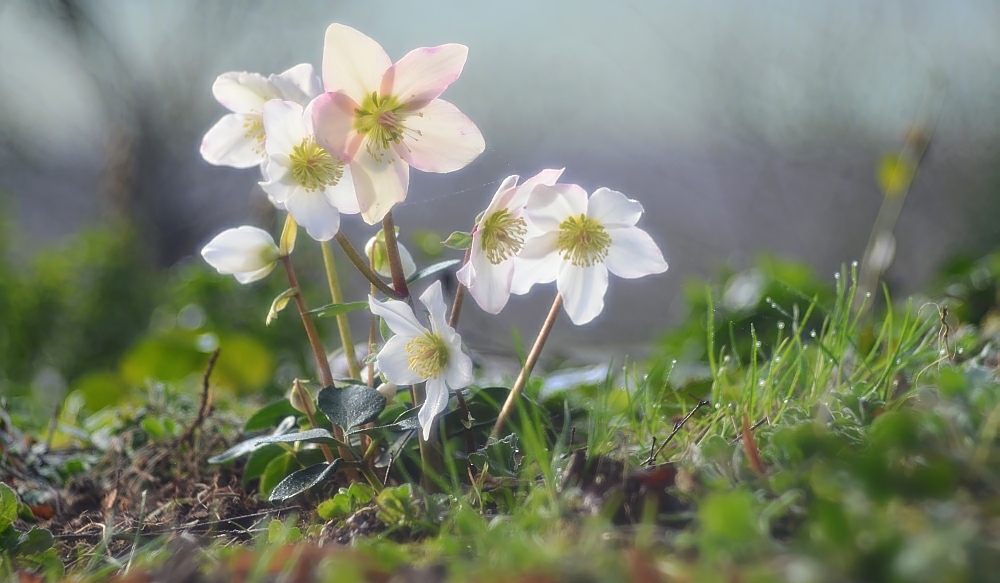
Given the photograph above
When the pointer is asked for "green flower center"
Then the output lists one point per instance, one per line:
(253, 129)
(583, 241)
(313, 167)
(379, 118)
(501, 235)
(428, 355)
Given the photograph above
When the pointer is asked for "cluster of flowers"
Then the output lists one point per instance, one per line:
(345, 146)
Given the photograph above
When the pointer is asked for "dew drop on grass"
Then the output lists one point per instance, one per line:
(812, 334)
(895, 383)
(718, 406)
(785, 401)
(674, 361)
(942, 352)
(761, 383)
(899, 361)
(868, 294)
(757, 344)
(781, 325)
(961, 350)
(777, 359)
(854, 263)
(836, 275)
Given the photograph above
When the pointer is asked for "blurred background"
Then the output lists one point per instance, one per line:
(743, 128)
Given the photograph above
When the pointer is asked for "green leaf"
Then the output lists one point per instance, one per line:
(8, 506)
(269, 416)
(153, 428)
(333, 310)
(459, 240)
(279, 533)
(384, 331)
(258, 461)
(248, 446)
(350, 406)
(499, 456)
(433, 269)
(277, 470)
(338, 507)
(36, 540)
(279, 304)
(302, 480)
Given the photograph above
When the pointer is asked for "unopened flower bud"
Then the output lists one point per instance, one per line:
(387, 390)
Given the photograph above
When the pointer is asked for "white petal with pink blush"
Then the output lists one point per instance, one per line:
(384, 117)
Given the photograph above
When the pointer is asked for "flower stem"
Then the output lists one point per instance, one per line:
(470, 438)
(392, 253)
(343, 326)
(359, 262)
(529, 364)
(311, 416)
(319, 353)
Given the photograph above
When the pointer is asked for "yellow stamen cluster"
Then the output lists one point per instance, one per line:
(583, 241)
(428, 355)
(313, 167)
(253, 129)
(379, 119)
(501, 235)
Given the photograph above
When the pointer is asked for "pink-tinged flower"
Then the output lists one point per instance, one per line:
(301, 177)
(248, 253)
(415, 354)
(384, 117)
(581, 240)
(497, 238)
(237, 139)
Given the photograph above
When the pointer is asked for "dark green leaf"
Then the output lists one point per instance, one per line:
(302, 480)
(498, 456)
(269, 416)
(34, 541)
(259, 459)
(350, 406)
(248, 446)
(332, 310)
(277, 470)
(459, 240)
(433, 269)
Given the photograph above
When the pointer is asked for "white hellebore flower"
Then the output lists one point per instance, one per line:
(384, 117)
(580, 241)
(248, 253)
(301, 177)
(375, 248)
(416, 354)
(237, 139)
(497, 238)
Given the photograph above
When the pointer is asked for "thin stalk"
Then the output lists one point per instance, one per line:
(343, 326)
(319, 353)
(470, 438)
(392, 253)
(306, 401)
(529, 364)
(359, 262)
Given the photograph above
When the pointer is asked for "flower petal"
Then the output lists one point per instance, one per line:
(502, 194)
(352, 62)
(435, 403)
(283, 126)
(333, 124)
(394, 362)
(518, 197)
(491, 285)
(433, 299)
(299, 83)
(398, 316)
(253, 276)
(583, 290)
(409, 267)
(458, 373)
(227, 144)
(613, 209)
(243, 92)
(633, 254)
(423, 74)
(538, 262)
(549, 206)
(312, 210)
(241, 250)
(342, 195)
(380, 183)
(439, 138)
